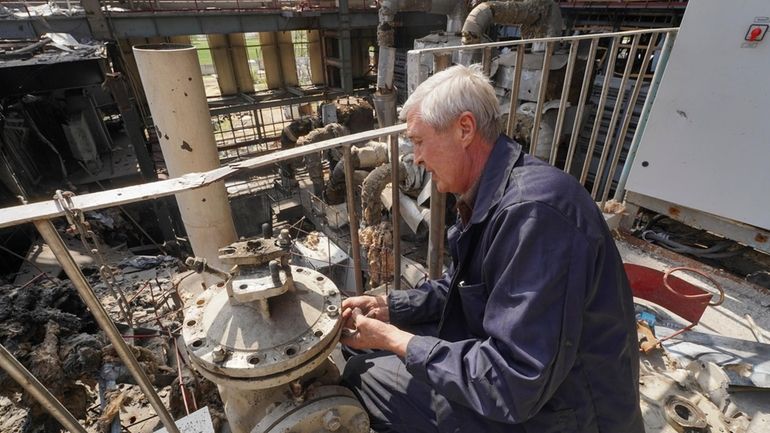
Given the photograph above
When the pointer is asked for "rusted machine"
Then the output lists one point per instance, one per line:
(264, 336)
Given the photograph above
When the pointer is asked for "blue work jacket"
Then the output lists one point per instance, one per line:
(536, 320)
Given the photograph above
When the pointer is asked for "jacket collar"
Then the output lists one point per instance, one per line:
(494, 177)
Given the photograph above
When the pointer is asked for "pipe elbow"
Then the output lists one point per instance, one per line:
(477, 23)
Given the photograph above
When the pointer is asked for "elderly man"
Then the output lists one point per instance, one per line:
(532, 329)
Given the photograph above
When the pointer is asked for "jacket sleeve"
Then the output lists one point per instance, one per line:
(420, 305)
(537, 268)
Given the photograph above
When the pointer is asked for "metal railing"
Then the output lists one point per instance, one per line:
(582, 58)
(41, 214)
(575, 161)
(602, 83)
(38, 7)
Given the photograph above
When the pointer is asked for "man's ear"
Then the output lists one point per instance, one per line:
(467, 128)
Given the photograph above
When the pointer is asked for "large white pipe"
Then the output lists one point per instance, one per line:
(172, 81)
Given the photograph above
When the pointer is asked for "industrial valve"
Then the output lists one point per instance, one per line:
(264, 336)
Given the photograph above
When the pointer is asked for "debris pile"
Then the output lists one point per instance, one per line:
(48, 329)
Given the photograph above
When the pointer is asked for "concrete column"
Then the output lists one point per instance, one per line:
(288, 60)
(272, 59)
(345, 47)
(316, 57)
(240, 60)
(173, 85)
(220, 54)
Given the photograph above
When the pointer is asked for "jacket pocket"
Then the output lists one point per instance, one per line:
(546, 421)
(474, 303)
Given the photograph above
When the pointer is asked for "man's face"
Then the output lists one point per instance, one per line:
(441, 153)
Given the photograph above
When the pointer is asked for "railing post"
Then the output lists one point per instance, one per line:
(654, 85)
(355, 242)
(395, 210)
(437, 202)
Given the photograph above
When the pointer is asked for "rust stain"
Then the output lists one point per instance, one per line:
(186, 146)
(760, 238)
(673, 211)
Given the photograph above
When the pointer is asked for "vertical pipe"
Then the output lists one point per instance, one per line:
(54, 241)
(353, 220)
(563, 101)
(654, 84)
(600, 110)
(516, 88)
(486, 60)
(395, 210)
(581, 103)
(627, 118)
(541, 94)
(614, 119)
(174, 87)
(415, 74)
(437, 202)
(346, 70)
(26, 380)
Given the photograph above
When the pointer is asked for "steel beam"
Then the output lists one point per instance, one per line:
(745, 234)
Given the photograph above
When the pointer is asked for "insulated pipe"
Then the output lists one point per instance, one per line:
(40, 393)
(384, 98)
(313, 160)
(67, 262)
(374, 184)
(172, 81)
(537, 18)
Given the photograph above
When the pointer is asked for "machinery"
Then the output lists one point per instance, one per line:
(264, 336)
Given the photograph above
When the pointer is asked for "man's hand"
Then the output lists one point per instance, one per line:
(375, 307)
(370, 333)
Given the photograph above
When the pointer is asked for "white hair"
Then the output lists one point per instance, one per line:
(444, 96)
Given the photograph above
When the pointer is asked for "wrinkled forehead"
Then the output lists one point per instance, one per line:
(415, 126)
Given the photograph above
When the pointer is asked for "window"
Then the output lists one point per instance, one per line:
(256, 61)
(302, 56)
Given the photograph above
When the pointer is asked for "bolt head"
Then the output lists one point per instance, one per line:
(332, 310)
(332, 420)
(219, 354)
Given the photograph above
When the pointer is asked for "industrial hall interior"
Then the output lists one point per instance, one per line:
(196, 196)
